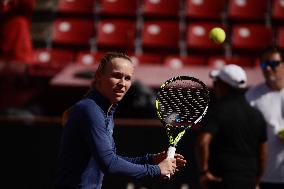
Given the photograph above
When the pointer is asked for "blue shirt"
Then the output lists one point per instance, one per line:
(88, 150)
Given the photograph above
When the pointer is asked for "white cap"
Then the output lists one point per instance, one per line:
(232, 74)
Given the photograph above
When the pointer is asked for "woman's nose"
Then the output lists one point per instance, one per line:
(122, 81)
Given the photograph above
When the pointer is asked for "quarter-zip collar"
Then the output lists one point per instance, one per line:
(102, 101)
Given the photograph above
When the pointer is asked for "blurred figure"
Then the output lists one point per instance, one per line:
(268, 97)
(232, 143)
(88, 149)
(139, 102)
(15, 39)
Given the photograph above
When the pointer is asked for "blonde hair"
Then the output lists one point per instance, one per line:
(106, 59)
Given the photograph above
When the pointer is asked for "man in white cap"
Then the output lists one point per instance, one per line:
(233, 138)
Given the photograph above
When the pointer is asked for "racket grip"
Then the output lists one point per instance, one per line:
(171, 154)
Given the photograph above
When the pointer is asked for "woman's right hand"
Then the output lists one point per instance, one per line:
(167, 166)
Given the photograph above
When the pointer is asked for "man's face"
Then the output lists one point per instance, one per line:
(274, 73)
(116, 79)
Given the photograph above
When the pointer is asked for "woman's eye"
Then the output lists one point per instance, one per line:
(127, 78)
(117, 75)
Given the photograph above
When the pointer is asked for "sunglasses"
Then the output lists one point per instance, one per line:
(271, 63)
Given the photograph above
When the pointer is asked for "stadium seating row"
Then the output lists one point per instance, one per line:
(160, 36)
(195, 9)
(48, 62)
(156, 31)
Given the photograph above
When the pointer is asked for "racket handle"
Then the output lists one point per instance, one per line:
(171, 154)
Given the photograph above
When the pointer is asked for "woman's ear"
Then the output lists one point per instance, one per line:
(98, 77)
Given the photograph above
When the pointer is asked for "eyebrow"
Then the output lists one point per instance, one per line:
(118, 72)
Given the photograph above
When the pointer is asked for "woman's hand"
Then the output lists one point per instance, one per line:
(180, 161)
(167, 167)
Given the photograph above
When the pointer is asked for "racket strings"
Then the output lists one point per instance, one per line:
(197, 100)
(181, 102)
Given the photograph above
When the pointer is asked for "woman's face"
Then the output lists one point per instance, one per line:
(115, 80)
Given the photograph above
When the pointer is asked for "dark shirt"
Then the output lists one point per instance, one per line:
(88, 150)
(237, 131)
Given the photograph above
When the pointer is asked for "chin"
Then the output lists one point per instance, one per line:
(272, 79)
(117, 99)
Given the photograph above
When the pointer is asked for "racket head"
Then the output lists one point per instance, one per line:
(181, 102)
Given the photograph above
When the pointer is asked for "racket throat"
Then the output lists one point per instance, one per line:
(174, 135)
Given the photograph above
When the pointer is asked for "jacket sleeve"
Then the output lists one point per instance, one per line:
(100, 142)
(147, 159)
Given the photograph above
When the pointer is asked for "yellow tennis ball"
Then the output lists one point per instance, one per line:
(217, 35)
(281, 134)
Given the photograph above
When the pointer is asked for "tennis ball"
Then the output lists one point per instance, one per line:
(217, 35)
(281, 134)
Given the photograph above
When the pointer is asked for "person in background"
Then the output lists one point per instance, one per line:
(232, 142)
(15, 39)
(268, 97)
(88, 149)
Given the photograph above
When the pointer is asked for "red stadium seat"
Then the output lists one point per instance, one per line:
(247, 10)
(146, 59)
(116, 34)
(205, 9)
(161, 36)
(76, 7)
(177, 62)
(220, 61)
(198, 39)
(250, 37)
(52, 56)
(88, 58)
(116, 8)
(280, 37)
(72, 32)
(48, 62)
(161, 8)
(277, 10)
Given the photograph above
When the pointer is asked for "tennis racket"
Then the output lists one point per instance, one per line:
(181, 102)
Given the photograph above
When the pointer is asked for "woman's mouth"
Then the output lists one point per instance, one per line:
(119, 92)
